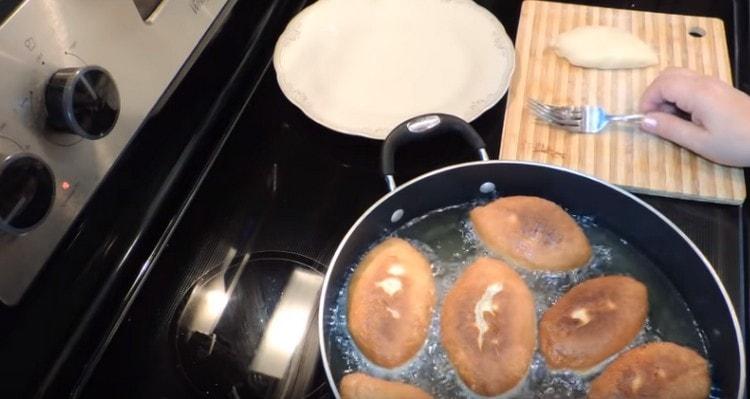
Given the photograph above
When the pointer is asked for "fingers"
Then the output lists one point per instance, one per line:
(676, 130)
(667, 108)
(673, 86)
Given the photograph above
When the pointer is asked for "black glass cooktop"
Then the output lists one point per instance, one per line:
(228, 304)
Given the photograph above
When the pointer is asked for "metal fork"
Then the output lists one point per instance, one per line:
(583, 119)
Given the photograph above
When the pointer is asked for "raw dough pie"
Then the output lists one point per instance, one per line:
(604, 47)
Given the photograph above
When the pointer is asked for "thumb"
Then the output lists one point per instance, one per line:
(676, 130)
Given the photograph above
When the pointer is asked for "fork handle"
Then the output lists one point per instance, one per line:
(626, 118)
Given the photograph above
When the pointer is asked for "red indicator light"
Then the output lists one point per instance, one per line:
(65, 185)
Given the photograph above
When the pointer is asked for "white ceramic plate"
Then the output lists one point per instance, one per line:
(363, 66)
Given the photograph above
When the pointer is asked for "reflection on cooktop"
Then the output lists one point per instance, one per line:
(248, 330)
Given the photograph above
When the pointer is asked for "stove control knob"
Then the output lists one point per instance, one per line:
(83, 101)
(27, 192)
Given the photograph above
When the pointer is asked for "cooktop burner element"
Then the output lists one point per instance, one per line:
(246, 328)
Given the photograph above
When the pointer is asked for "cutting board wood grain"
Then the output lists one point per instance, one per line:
(622, 155)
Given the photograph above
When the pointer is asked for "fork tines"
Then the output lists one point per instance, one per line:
(564, 116)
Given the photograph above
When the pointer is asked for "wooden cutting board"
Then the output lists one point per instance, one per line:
(622, 155)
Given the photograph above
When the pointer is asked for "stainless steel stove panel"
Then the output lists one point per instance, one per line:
(44, 36)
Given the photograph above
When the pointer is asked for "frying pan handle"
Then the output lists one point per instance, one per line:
(418, 128)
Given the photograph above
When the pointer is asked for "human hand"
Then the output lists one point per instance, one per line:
(719, 128)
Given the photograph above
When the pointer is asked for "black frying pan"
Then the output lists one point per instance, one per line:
(629, 217)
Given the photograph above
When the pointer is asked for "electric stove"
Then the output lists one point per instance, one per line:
(195, 268)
